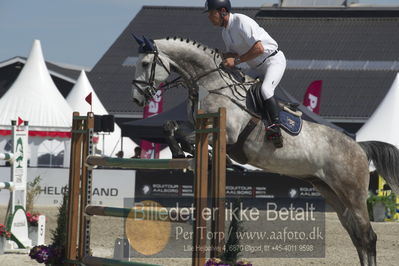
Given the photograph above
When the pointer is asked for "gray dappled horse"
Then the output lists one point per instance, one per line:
(336, 165)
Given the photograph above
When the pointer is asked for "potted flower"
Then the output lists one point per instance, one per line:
(50, 255)
(4, 234)
(33, 219)
(33, 229)
(381, 206)
(54, 254)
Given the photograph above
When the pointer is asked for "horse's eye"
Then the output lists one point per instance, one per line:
(144, 64)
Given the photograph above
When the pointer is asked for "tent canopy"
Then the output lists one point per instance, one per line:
(111, 143)
(34, 97)
(383, 123)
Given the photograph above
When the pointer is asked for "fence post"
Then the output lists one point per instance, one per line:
(218, 184)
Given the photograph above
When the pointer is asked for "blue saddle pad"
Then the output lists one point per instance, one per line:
(290, 123)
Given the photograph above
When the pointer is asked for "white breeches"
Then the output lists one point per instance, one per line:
(271, 72)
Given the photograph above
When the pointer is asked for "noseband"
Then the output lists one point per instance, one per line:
(151, 90)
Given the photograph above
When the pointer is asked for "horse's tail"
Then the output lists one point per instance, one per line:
(385, 158)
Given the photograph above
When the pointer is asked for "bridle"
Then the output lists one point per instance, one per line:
(151, 90)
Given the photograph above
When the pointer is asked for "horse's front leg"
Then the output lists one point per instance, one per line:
(186, 144)
(169, 129)
(236, 119)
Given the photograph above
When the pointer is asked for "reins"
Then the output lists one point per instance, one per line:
(151, 90)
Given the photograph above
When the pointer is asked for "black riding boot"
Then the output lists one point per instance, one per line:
(273, 131)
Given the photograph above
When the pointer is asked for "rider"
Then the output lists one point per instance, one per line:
(247, 42)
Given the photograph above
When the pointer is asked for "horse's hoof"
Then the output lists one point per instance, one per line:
(179, 156)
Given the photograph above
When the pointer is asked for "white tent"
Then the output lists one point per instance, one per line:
(383, 124)
(35, 98)
(109, 144)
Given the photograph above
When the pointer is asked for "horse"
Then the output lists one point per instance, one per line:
(335, 164)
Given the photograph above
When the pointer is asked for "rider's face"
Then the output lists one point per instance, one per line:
(214, 17)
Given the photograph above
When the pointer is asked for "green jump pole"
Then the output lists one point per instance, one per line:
(7, 185)
(6, 156)
(107, 211)
(97, 261)
(141, 163)
(139, 213)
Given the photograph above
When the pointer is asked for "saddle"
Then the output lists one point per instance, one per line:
(290, 116)
(290, 120)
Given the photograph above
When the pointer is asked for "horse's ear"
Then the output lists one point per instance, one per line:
(149, 46)
(138, 40)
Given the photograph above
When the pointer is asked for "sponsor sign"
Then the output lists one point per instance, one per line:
(110, 187)
(253, 185)
(150, 150)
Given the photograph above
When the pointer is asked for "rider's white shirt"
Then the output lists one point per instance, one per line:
(242, 33)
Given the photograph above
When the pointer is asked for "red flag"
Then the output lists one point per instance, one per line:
(88, 98)
(20, 121)
(312, 96)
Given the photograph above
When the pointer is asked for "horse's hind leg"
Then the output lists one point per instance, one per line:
(354, 218)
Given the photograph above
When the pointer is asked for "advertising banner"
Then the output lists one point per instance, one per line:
(110, 186)
(150, 150)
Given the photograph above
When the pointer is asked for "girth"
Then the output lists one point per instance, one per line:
(236, 150)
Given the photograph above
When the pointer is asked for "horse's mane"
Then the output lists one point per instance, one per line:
(210, 51)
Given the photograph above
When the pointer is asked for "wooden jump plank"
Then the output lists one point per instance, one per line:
(200, 193)
(141, 163)
(86, 189)
(218, 184)
(207, 115)
(74, 191)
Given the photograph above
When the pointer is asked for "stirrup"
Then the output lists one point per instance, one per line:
(273, 134)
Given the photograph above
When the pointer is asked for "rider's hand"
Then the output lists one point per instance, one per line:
(229, 62)
(227, 55)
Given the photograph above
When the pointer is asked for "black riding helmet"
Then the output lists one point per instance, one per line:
(217, 4)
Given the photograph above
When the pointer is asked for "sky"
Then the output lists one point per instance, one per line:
(79, 32)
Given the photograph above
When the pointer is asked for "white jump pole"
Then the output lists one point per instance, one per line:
(6, 156)
(7, 185)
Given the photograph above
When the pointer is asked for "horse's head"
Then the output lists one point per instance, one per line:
(152, 68)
